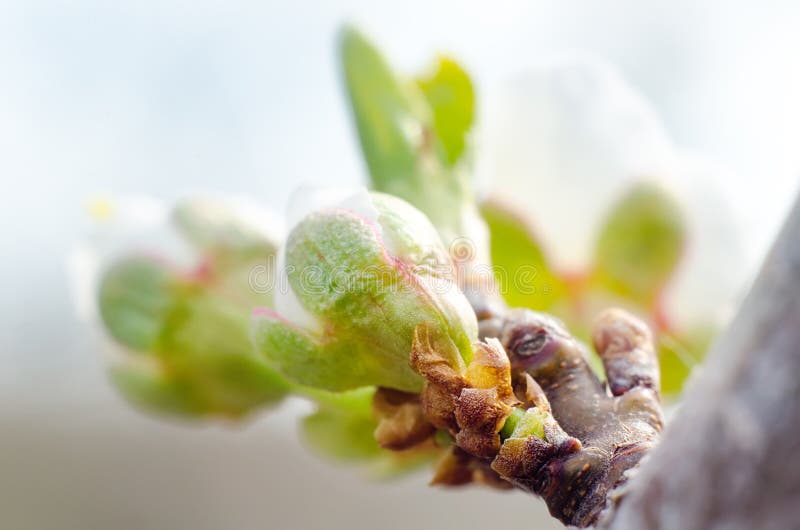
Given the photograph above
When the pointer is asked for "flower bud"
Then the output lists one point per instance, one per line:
(359, 279)
(236, 242)
(232, 230)
(182, 335)
(640, 243)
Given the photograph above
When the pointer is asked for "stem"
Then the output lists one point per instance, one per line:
(588, 434)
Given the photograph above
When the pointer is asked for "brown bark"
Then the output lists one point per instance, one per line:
(600, 430)
(730, 459)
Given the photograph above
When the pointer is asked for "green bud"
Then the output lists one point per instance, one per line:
(187, 346)
(640, 243)
(531, 423)
(511, 423)
(360, 279)
(235, 241)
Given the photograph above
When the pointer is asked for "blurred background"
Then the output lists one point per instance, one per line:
(169, 98)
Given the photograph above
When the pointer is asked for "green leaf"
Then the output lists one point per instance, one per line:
(449, 92)
(342, 427)
(408, 144)
(511, 423)
(390, 116)
(679, 353)
(640, 243)
(393, 464)
(151, 389)
(520, 266)
(531, 423)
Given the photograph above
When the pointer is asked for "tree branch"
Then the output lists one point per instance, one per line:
(731, 457)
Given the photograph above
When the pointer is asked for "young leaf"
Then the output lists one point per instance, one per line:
(449, 92)
(411, 142)
(679, 353)
(519, 263)
(391, 117)
(342, 426)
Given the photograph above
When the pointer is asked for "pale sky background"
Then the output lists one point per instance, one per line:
(168, 97)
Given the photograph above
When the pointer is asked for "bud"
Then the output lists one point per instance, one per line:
(183, 336)
(236, 241)
(562, 139)
(357, 280)
(233, 230)
(640, 243)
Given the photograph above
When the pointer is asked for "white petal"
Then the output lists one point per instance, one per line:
(715, 269)
(286, 302)
(563, 141)
(304, 201)
(241, 212)
(119, 226)
(308, 199)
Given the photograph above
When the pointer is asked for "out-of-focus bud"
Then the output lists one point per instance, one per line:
(182, 335)
(359, 278)
(640, 243)
(227, 230)
(134, 300)
(569, 143)
(236, 241)
(186, 349)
